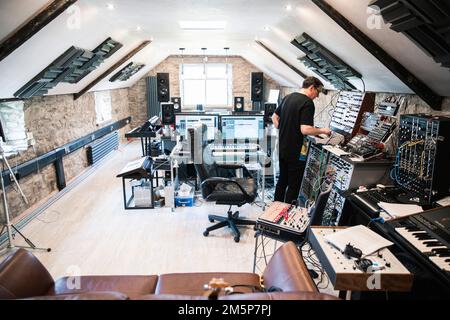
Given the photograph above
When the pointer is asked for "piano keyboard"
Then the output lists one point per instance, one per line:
(435, 250)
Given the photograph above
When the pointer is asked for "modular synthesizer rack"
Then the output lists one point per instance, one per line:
(421, 168)
(314, 172)
(349, 112)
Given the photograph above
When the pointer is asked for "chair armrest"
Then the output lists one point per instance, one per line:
(212, 182)
(231, 166)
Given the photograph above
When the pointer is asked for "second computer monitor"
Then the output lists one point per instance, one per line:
(242, 127)
(186, 121)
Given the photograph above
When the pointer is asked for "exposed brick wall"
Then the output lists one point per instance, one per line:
(55, 121)
(242, 70)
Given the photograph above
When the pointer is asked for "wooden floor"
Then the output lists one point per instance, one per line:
(89, 232)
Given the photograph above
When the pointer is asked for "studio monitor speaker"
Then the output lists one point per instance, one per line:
(257, 86)
(163, 87)
(238, 104)
(176, 104)
(167, 114)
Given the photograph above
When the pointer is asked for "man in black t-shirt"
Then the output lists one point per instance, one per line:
(295, 119)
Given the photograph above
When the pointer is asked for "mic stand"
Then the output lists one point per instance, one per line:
(8, 225)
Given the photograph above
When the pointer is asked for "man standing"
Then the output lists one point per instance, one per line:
(295, 119)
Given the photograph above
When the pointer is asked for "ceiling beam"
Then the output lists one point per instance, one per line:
(10, 99)
(416, 85)
(111, 69)
(301, 74)
(28, 30)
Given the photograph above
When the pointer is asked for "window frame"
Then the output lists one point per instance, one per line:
(205, 79)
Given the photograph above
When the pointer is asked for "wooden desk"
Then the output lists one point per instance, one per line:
(346, 277)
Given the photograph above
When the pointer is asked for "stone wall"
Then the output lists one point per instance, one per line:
(413, 105)
(242, 70)
(55, 121)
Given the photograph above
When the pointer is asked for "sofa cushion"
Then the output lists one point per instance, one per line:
(170, 297)
(280, 296)
(192, 284)
(132, 286)
(104, 295)
(22, 275)
(287, 270)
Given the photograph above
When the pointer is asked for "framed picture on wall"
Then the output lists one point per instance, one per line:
(103, 106)
(12, 122)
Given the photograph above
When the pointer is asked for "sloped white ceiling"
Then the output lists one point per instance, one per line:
(246, 20)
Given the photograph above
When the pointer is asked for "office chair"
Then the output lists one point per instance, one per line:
(218, 187)
(316, 213)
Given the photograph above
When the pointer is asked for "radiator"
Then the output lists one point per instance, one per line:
(153, 107)
(102, 147)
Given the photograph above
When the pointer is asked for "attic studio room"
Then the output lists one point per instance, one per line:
(225, 150)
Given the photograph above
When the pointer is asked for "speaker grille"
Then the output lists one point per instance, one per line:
(167, 113)
(163, 87)
(239, 104)
(176, 104)
(257, 86)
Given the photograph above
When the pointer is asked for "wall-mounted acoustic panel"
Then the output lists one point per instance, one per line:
(324, 63)
(127, 72)
(70, 67)
(426, 23)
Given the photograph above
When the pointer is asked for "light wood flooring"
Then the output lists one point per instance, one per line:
(89, 232)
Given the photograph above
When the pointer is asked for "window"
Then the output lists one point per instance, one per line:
(207, 84)
(103, 106)
(12, 119)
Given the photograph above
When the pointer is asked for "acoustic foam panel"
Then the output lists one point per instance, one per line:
(324, 63)
(425, 22)
(70, 67)
(127, 72)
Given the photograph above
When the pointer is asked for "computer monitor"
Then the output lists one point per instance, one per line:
(185, 121)
(242, 127)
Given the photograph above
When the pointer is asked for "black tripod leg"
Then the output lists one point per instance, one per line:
(28, 241)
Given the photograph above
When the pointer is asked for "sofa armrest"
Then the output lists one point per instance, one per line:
(287, 271)
(22, 275)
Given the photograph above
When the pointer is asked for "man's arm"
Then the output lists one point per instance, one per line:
(311, 131)
(276, 120)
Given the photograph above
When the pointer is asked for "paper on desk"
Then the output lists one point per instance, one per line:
(398, 210)
(359, 237)
(444, 202)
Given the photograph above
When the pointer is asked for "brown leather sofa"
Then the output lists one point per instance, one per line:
(22, 276)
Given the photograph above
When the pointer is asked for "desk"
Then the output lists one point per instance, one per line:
(346, 278)
(146, 138)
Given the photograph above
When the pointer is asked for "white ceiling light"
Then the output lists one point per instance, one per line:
(202, 25)
(138, 28)
(267, 28)
(288, 7)
(110, 6)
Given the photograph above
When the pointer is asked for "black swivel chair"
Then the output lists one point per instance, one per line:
(219, 185)
(316, 213)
